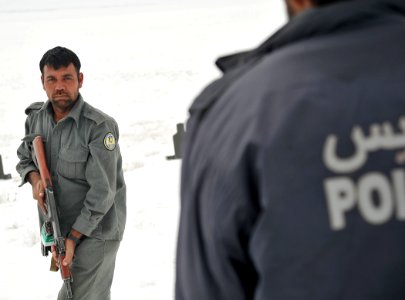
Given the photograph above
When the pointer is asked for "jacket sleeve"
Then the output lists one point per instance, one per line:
(101, 174)
(24, 153)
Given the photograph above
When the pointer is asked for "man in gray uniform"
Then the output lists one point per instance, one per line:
(85, 164)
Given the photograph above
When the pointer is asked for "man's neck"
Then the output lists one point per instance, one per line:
(59, 113)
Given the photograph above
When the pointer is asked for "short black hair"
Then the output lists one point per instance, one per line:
(59, 57)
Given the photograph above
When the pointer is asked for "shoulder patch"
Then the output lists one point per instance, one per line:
(34, 106)
(109, 141)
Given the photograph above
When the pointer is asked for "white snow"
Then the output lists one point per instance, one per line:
(143, 63)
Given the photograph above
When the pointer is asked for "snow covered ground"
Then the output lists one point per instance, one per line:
(143, 63)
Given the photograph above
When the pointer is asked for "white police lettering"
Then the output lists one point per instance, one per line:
(377, 196)
(381, 137)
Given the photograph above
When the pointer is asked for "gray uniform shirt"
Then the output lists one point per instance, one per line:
(85, 164)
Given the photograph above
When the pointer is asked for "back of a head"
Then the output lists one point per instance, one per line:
(59, 57)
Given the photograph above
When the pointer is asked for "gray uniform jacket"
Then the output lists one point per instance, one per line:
(85, 164)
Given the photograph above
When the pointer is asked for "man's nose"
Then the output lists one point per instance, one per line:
(60, 88)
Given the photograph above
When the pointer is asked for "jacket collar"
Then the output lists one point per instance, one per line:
(74, 114)
(316, 22)
(76, 111)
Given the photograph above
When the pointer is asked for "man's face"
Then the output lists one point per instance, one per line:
(62, 86)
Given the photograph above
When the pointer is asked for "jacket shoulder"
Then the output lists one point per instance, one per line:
(95, 114)
(33, 107)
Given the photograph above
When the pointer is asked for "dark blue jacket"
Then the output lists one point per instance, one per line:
(293, 179)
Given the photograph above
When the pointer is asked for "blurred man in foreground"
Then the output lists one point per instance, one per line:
(293, 180)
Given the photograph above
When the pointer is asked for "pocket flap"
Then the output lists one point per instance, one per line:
(74, 155)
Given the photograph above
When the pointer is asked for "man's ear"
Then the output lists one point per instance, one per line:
(42, 81)
(80, 79)
(298, 6)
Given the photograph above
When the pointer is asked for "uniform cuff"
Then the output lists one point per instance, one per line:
(24, 174)
(84, 226)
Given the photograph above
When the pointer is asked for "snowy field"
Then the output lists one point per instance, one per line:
(143, 62)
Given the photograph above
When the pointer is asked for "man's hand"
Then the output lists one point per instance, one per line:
(38, 191)
(70, 252)
(70, 247)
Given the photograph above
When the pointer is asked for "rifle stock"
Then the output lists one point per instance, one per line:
(41, 160)
(51, 216)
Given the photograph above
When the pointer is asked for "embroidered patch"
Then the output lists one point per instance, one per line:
(109, 141)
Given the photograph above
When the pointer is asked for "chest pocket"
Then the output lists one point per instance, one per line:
(72, 163)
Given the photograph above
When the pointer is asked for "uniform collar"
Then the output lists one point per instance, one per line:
(74, 113)
(77, 110)
(316, 22)
(311, 23)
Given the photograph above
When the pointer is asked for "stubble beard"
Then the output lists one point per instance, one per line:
(62, 104)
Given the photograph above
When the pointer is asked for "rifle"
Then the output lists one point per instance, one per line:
(51, 237)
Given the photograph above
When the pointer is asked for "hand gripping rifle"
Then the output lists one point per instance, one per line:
(51, 237)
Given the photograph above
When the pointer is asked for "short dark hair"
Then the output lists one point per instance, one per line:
(59, 57)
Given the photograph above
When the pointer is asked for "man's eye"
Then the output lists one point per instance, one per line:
(50, 80)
